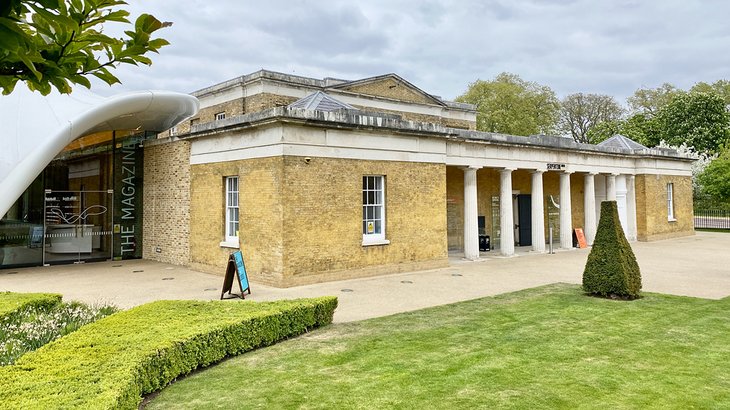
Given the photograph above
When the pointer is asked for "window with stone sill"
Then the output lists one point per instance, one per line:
(373, 210)
(670, 202)
(231, 228)
(220, 116)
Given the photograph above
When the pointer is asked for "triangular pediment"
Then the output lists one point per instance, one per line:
(389, 86)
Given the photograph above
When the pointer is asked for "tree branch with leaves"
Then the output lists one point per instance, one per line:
(55, 43)
(511, 105)
(581, 112)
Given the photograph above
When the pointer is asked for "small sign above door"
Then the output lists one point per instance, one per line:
(555, 166)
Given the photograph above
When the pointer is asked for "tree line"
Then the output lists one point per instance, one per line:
(698, 117)
(696, 122)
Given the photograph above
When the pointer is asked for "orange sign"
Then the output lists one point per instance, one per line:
(581, 238)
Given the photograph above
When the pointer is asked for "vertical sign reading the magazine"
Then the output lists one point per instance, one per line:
(128, 175)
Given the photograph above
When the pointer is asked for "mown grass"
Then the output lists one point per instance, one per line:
(549, 347)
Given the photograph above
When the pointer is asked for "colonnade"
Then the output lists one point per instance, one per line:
(507, 239)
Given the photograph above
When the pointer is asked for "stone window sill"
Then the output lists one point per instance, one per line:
(376, 243)
(672, 220)
(230, 244)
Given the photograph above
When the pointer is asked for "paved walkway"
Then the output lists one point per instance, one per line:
(692, 266)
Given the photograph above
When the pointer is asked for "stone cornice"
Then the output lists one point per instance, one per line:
(355, 119)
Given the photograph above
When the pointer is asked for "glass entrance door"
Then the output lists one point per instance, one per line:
(77, 226)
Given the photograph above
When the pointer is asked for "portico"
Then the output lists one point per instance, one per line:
(515, 194)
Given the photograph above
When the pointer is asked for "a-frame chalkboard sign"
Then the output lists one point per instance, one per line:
(238, 269)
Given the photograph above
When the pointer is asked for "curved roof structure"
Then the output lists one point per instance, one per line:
(35, 128)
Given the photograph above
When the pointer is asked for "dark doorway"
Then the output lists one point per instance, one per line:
(524, 215)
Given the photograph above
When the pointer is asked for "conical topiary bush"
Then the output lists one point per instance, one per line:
(611, 270)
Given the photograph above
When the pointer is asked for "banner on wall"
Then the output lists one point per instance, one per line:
(128, 180)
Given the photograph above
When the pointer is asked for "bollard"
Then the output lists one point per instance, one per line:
(551, 240)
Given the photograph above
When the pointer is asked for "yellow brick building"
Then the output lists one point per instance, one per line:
(317, 180)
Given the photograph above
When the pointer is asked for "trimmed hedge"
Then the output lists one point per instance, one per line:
(11, 303)
(111, 363)
(611, 269)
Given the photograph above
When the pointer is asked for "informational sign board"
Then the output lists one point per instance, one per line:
(235, 269)
(36, 237)
(581, 238)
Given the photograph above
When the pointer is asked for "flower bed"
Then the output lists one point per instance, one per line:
(40, 319)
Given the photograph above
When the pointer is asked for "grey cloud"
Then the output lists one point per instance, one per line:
(572, 45)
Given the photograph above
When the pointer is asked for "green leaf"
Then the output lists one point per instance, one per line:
(104, 75)
(57, 20)
(118, 16)
(53, 43)
(7, 84)
(80, 79)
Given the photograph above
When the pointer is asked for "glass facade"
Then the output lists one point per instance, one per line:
(85, 206)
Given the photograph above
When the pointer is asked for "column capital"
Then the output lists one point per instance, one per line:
(566, 172)
(507, 170)
(537, 171)
(470, 167)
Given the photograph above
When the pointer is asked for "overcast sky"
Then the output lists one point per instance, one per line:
(596, 46)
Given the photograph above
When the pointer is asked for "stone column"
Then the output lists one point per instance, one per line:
(631, 206)
(538, 213)
(566, 223)
(589, 207)
(471, 223)
(611, 187)
(506, 220)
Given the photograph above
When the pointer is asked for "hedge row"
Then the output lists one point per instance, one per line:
(10, 303)
(111, 363)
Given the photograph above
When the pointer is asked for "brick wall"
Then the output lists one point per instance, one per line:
(302, 222)
(651, 207)
(323, 218)
(260, 217)
(264, 101)
(390, 88)
(232, 108)
(166, 202)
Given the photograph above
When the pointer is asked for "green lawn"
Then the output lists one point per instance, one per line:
(548, 347)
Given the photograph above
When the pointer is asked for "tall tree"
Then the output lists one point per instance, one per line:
(648, 101)
(52, 43)
(581, 112)
(511, 105)
(719, 87)
(698, 119)
(715, 180)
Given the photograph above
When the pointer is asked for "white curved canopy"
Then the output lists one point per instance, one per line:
(35, 128)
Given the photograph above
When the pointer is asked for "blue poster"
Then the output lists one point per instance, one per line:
(241, 269)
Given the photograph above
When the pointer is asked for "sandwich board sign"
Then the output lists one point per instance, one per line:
(580, 236)
(235, 269)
